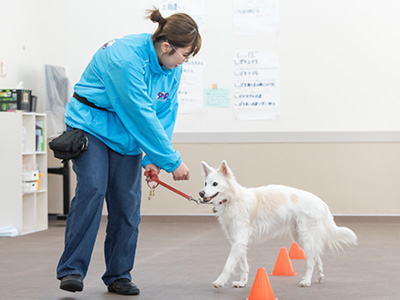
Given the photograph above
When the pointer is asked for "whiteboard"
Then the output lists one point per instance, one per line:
(339, 67)
(339, 62)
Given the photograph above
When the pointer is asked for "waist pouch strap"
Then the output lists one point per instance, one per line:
(86, 102)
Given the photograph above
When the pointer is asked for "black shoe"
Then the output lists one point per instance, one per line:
(123, 286)
(72, 283)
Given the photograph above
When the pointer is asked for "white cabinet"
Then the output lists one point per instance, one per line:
(23, 171)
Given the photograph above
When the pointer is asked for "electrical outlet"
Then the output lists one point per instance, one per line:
(3, 69)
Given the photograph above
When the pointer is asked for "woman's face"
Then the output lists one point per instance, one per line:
(178, 56)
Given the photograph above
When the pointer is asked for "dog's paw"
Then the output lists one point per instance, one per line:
(218, 283)
(320, 277)
(239, 284)
(305, 283)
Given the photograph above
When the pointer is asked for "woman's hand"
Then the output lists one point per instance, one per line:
(151, 167)
(181, 173)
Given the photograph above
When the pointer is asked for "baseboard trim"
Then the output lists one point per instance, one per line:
(286, 137)
(379, 218)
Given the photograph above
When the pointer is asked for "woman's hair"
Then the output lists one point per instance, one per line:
(179, 29)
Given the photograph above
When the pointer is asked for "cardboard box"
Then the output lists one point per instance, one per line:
(29, 187)
(30, 176)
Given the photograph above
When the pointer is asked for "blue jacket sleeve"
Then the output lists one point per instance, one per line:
(127, 91)
(167, 115)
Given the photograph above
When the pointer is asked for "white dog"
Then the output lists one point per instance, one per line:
(247, 214)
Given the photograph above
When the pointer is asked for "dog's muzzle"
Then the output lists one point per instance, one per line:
(208, 199)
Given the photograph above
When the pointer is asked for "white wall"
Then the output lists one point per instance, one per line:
(19, 31)
(339, 72)
(339, 60)
(63, 33)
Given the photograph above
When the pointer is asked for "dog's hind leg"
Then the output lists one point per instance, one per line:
(312, 248)
(320, 269)
(238, 250)
(310, 237)
(309, 268)
(243, 268)
(311, 245)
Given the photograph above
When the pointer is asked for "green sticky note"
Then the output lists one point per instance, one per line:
(217, 97)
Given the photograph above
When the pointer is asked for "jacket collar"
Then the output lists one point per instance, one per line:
(154, 64)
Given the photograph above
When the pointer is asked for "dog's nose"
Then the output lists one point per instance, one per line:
(202, 193)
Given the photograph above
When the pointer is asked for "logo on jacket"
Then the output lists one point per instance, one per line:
(110, 43)
(162, 96)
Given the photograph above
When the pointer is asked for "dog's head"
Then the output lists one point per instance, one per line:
(217, 182)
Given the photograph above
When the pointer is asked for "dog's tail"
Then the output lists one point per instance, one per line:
(339, 236)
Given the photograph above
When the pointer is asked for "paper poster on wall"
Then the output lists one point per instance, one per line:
(190, 94)
(195, 9)
(254, 17)
(256, 85)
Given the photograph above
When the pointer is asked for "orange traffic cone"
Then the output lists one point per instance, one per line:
(283, 265)
(296, 252)
(261, 289)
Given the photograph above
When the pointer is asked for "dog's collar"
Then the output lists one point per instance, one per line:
(219, 203)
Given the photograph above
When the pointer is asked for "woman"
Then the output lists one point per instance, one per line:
(126, 102)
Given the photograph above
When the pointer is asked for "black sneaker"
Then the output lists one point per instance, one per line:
(72, 283)
(123, 286)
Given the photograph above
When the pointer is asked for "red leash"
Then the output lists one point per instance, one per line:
(153, 177)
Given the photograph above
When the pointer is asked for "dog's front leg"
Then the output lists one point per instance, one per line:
(236, 254)
(244, 272)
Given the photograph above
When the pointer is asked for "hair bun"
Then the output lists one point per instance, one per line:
(161, 21)
(156, 17)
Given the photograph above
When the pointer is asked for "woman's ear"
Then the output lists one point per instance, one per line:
(165, 47)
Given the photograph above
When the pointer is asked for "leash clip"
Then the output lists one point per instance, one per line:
(195, 200)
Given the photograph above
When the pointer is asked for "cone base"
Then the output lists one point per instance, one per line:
(294, 274)
(268, 299)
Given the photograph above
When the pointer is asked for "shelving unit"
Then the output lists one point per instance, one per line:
(26, 211)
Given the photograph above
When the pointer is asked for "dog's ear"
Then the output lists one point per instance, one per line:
(205, 168)
(224, 169)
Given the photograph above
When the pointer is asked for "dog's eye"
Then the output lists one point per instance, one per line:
(205, 183)
(215, 183)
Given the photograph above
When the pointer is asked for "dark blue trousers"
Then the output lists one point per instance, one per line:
(103, 174)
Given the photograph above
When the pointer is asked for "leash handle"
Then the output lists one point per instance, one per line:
(153, 177)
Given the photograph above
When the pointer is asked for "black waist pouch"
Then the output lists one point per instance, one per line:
(69, 145)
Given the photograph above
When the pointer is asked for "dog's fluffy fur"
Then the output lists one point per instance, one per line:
(248, 214)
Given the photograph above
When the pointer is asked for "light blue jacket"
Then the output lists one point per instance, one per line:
(125, 77)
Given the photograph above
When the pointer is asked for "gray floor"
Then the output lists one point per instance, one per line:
(178, 258)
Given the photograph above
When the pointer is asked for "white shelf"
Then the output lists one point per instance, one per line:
(25, 211)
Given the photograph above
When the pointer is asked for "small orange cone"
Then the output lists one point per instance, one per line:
(261, 289)
(283, 265)
(296, 252)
